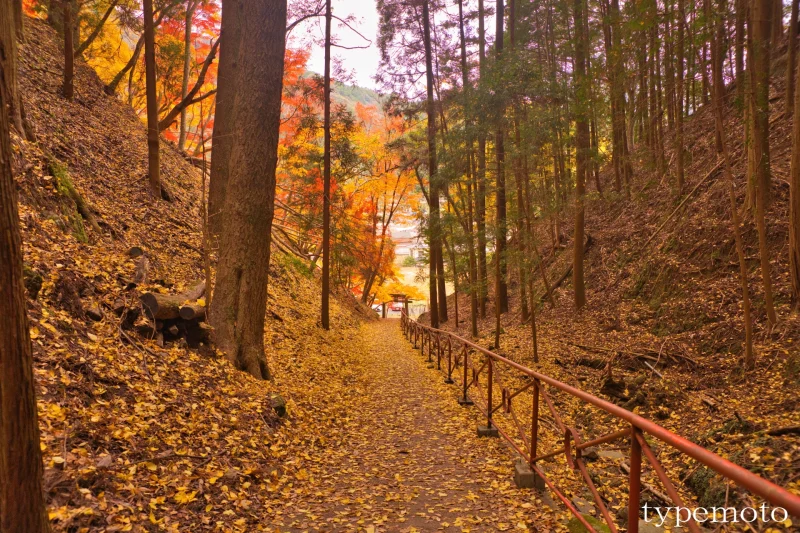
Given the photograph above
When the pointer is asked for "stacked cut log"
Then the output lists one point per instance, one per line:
(176, 316)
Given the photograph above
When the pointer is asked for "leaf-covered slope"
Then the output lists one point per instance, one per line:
(138, 437)
(666, 291)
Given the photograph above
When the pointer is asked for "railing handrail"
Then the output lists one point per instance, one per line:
(774, 494)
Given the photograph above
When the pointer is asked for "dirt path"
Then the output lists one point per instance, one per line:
(408, 457)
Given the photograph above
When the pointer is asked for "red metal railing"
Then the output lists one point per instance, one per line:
(454, 351)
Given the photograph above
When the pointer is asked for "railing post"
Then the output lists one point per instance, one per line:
(489, 430)
(489, 389)
(534, 423)
(430, 347)
(464, 400)
(635, 483)
(439, 354)
(449, 378)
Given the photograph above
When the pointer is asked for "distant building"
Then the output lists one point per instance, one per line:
(407, 242)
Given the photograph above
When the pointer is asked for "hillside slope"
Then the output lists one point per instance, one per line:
(677, 301)
(136, 436)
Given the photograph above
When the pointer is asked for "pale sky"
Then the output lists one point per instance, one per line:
(361, 63)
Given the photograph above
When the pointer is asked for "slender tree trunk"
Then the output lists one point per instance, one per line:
(326, 189)
(22, 506)
(435, 249)
(224, 128)
(18, 17)
(16, 111)
(719, 94)
(741, 11)
(480, 203)
(471, 182)
(581, 145)
(111, 88)
(97, 29)
(790, 59)
(762, 17)
(777, 21)
(518, 176)
(153, 164)
(501, 267)
(187, 65)
(679, 111)
(239, 307)
(794, 205)
(67, 89)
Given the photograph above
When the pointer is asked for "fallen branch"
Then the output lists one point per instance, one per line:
(612, 350)
(565, 275)
(788, 430)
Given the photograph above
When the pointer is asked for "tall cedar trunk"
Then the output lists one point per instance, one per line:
(434, 247)
(679, 107)
(326, 187)
(669, 73)
(762, 16)
(67, 88)
(187, 65)
(153, 165)
(718, 94)
(480, 200)
(22, 506)
(518, 177)
(794, 205)
(619, 92)
(790, 59)
(224, 130)
(239, 306)
(581, 145)
(741, 11)
(615, 111)
(777, 21)
(501, 267)
(473, 263)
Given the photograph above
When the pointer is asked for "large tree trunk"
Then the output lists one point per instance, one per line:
(22, 506)
(759, 67)
(240, 296)
(187, 65)
(67, 88)
(435, 248)
(326, 189)
(153, 164)
(224, 131)
(581, 146)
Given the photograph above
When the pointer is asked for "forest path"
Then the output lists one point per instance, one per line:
(409, 459)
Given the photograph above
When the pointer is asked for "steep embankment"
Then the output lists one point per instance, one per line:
(138, 437)
(675, 303)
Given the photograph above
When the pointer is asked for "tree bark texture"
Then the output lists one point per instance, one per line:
(22, 506)
(240, 296)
